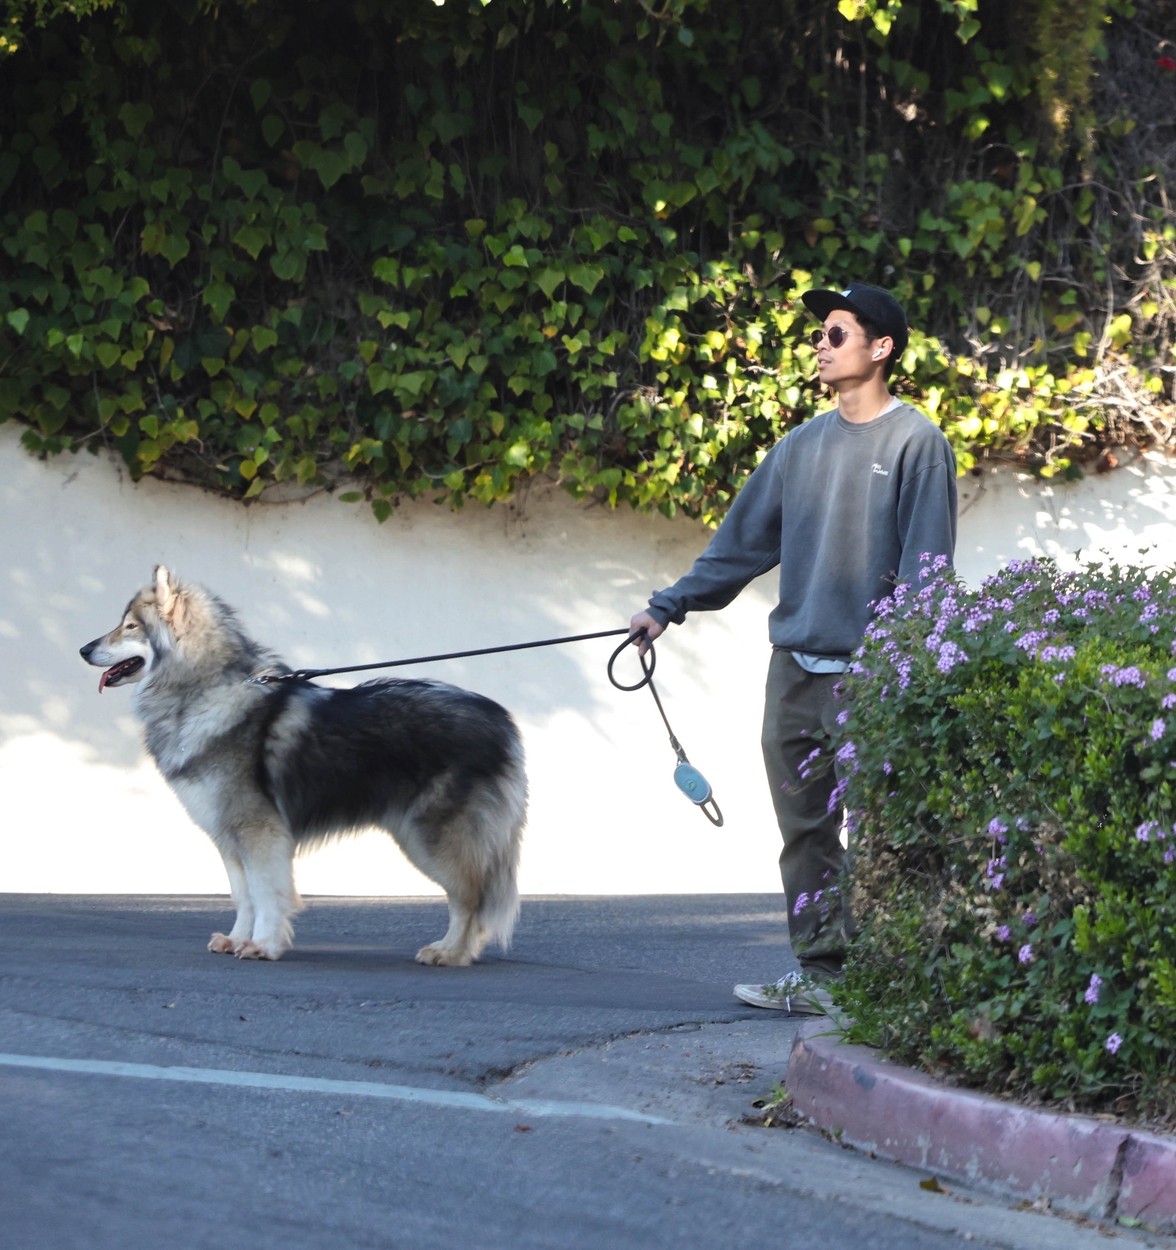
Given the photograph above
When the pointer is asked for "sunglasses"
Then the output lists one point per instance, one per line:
(835, 334)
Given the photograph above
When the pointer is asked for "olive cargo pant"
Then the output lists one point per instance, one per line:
(800, 712)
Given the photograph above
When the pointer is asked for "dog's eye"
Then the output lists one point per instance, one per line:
(130, 625)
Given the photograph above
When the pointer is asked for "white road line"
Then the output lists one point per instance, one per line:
(449, 1099)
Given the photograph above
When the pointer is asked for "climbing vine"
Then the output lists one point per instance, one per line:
(404, 248)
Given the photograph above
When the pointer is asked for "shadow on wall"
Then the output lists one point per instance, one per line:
(320, 583)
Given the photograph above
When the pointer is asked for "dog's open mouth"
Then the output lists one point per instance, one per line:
(114, 675)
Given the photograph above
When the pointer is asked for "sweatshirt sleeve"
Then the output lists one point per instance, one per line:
(746, 544)
(927, 516)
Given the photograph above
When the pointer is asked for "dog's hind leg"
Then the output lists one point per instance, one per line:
(242, 930)
(463, 941)
(267, 857)
(483, 902)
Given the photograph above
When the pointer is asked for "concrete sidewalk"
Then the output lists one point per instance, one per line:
(1095, 1168)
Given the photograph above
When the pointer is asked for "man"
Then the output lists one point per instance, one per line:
(848, 505)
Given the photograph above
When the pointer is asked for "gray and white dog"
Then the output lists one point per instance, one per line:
(265, 769)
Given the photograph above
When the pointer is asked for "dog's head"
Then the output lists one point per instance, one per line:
(145, 633)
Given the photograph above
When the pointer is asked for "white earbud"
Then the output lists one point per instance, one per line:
(878, 355)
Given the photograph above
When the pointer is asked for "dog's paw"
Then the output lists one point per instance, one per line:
(221, 944)
(442, 957)
(252, 950)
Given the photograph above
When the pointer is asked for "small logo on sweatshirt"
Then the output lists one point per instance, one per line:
(877, 468)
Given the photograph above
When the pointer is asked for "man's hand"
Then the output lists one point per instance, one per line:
(643, 621)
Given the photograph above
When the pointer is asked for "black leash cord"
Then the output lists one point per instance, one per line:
(307, 674)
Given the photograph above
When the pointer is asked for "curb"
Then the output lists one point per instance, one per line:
(1095, 1168)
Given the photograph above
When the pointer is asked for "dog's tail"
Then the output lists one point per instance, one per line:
(499, 906)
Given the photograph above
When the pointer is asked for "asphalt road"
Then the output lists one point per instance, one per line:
(590, 1089)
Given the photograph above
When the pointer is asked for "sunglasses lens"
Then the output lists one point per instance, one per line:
(816, 336)
(836, 336)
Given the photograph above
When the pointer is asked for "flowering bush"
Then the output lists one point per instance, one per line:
(1008, 757)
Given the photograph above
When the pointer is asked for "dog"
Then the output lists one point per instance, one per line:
(268, 767)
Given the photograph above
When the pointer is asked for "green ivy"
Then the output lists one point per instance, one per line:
(438, 250)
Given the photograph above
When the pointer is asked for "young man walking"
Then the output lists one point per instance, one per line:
(848, 505)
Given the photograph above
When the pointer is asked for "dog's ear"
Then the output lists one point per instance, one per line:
(166, 593)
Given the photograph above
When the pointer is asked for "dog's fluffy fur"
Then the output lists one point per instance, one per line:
(265, 769)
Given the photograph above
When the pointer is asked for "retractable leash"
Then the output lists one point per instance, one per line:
(686, 777)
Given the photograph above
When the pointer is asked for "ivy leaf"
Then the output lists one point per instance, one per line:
(218, 296)
(586, 277)
(272, 129)
(549, 280)
(135, 118)
(530, 115)
(251, 239)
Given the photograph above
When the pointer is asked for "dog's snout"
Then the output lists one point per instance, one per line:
(87, 649)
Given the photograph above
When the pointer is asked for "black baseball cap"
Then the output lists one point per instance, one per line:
(867, 303)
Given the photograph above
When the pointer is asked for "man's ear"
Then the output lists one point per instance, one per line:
(883, 347)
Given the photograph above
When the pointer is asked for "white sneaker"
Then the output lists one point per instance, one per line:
(795, 993)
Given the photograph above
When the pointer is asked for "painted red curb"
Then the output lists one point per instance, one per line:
(1079, 1164)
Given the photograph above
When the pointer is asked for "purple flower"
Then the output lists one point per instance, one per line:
(1092, 990)
(1003, 933)
(949, 656)
(1130, 676)
(1113, 1043)
(1025, 954)
(996, 827)
(802, 902)
(1029, 919)
(837, 795)
(1049, 654)
(806, 764)
(1158, 730)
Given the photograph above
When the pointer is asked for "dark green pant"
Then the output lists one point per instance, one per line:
(800, 711)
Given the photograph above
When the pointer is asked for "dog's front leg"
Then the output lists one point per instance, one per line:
(242, 930)
(267, 856)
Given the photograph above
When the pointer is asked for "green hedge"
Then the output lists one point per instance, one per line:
(440, 249)
(1008, 757)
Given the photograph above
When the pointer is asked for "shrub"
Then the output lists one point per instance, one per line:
(1008, 763)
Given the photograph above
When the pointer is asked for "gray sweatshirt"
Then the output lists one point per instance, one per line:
(847, 511)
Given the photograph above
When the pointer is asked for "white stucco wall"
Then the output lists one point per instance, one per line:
(323, 584)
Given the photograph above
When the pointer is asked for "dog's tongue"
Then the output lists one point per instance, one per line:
(104, 679)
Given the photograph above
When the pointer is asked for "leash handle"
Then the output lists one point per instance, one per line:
(647, 665)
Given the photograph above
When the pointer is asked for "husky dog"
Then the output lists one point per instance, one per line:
(266, 768)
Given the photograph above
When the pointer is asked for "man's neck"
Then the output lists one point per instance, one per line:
(862, 403)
